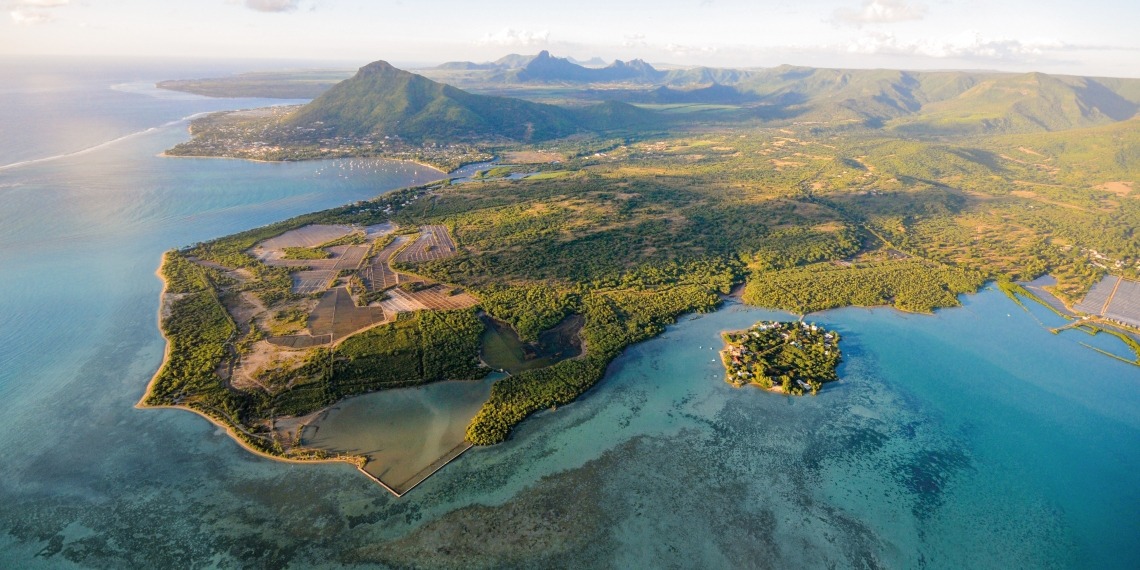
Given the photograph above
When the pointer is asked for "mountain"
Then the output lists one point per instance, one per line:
(1022, 103)
(713, 94)
(592, 62)
(946, 102)
(505, 63)
(705, 76)
(545, 68)
(381, 100)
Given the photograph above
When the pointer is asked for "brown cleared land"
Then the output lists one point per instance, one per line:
(1119, 188)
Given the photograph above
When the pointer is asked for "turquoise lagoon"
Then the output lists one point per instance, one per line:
(972, 438)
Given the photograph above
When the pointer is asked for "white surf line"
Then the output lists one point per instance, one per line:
(103, 144)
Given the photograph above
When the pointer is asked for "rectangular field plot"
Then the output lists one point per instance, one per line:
(1125, 303)
(308, 236)
(434, 243)
(348, 256)
(325, 264)
(440, 297)
(378, 275)
(1114, 298)
(400, 301)
(309, 282)
(1097, 297)
(300, 341)
(338, 316)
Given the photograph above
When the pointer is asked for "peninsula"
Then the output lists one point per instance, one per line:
(603, 221)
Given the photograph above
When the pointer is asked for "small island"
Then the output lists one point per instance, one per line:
(787, 357)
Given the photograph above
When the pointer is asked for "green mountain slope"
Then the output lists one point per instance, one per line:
(1031, 102)
(381, 100)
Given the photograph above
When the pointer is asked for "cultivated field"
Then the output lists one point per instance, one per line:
(400, 301)
(348, 256)
(337, 315)
(308, 236)
(309, 282)
(1114, 298)
(299, 341)
(378, 275)
(433, 243)
(439, 297)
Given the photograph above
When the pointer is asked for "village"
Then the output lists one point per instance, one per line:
(784, 357)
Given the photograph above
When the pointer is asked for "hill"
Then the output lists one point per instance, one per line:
(946, 103)
(1023, 103)
(382, 101)
(545, 68)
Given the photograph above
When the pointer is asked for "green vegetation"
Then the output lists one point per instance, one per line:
(789, 357)
(614, 320)
(198, 329)
(305, 253)
(496, 172)
(354, 238)
(811, 199)
(908, 285)
(528, 309)
(288, 321)
(425, 347)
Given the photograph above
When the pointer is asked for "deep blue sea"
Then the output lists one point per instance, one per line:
(972, 438)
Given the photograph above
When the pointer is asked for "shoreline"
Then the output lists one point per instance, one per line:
(229, 429)
(445, 173)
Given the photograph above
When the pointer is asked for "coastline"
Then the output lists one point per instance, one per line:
(444, 173)
(230, 430)
(723, 352)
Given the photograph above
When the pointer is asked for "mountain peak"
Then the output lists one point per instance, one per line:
(380, 67)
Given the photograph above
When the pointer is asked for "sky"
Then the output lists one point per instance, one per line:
(1093, 37)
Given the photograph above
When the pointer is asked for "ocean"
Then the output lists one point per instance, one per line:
(972, 438)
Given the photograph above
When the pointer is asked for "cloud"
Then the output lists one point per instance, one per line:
(683, 50)
(881, 12)
(970, 45)
(271, 5)
(513, 37)
(634, 40)
(32, 12)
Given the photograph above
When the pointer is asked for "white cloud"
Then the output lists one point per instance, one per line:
(634, 40)
(681, 50)
(32, 12)
(969, 45)
(271, 5)
(882, 12)
(513, 37)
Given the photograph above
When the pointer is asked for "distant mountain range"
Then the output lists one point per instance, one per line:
(381, 100)
(916, 102)
(546, 68)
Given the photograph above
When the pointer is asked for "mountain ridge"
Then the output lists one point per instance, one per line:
(381, 100)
